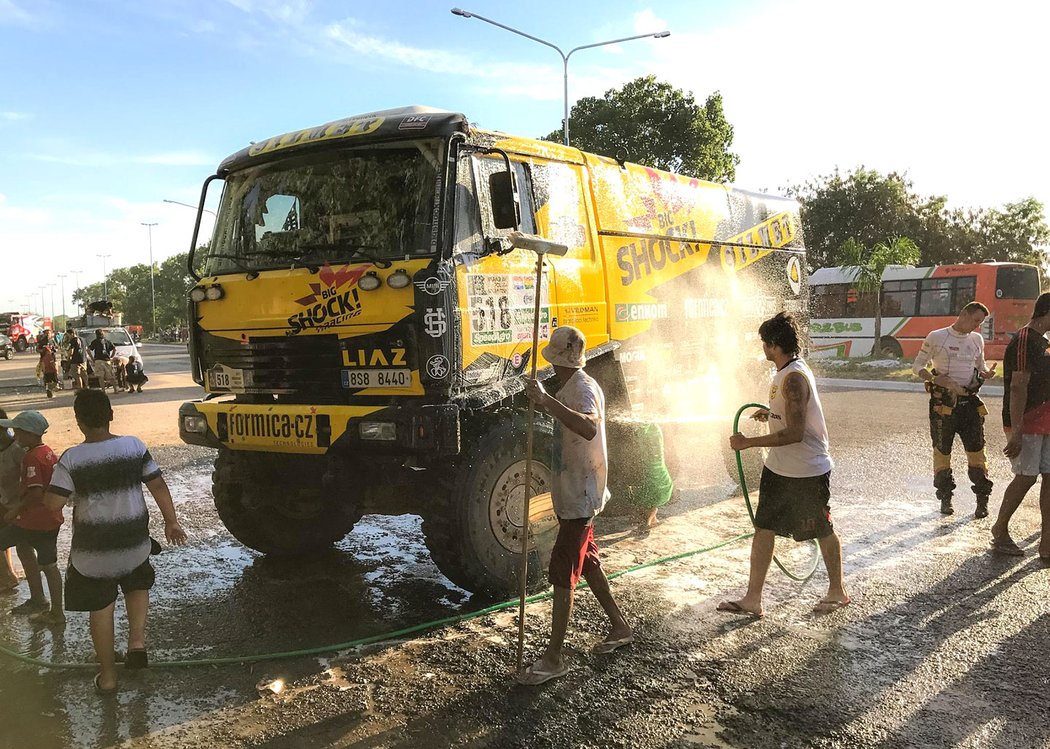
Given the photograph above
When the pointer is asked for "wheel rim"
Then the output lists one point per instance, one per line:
(508, 496)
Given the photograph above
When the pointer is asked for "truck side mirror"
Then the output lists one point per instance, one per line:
(506, 206)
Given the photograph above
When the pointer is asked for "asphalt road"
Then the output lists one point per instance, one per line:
(19, 372)
(944, 645)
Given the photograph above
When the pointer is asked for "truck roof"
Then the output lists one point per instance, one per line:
(387, 124)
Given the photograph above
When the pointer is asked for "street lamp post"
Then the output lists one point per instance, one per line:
(564, 57)
(105, 278)
(187, 205)
(152, 288)
(76, 284)
(43, 307)
(62, 290)
(52, 287)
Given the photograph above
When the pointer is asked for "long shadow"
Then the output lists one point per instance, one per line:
(835, 684)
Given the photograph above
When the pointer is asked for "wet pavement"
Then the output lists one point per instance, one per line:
(944, 645)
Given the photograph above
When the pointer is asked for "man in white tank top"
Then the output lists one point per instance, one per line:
(951, 363)
(795, 490)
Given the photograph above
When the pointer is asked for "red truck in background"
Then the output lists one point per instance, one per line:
(23, 328)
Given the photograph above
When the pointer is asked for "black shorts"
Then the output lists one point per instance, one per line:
(45, 542)
(96, 593)
(796, 507)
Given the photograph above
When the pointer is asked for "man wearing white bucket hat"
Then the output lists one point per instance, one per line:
(579, 492)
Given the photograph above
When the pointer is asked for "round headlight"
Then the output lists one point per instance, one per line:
(213, 293)
(370, 281)
(197, 294)
(398, 279)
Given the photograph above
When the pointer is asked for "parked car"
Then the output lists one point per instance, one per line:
(7, 349)
(119, 337)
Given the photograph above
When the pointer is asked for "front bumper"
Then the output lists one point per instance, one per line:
(321, 430)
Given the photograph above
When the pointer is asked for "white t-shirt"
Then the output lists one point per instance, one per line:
(110, 520)
(953, 354)
(580, 466)
(811, 456)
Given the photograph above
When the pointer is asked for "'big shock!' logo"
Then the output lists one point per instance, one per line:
(333, 301)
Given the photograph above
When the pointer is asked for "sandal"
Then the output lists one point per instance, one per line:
(732, 607)
(136, 659)
(534, 675)
(104, 691)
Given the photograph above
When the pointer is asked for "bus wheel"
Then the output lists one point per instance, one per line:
(268, 504)
(21, 344)
(891, 347)
(472, 525)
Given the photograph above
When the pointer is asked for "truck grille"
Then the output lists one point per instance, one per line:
(281, 364)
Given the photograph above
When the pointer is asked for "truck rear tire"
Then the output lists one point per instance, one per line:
(21, 345)
(265, 501)
(473, 525)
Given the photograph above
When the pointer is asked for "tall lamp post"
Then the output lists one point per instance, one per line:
(52, 287)
(43, 307)
(186, 205)
(564, 56)
(152, 288)
(76, 284)
(62, 290)
(105, 277)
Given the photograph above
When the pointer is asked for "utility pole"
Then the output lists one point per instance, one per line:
(76, 285)
(43, 307)
(152, 288)
(105, 278)
(62, 283)
(52, 287)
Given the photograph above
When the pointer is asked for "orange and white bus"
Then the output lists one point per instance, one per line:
(916, 301)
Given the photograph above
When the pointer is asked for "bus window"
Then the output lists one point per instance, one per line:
(935, 297)
(1017, 282)
(965, 292)
(899, 298)
(860, 303)
(828, 300)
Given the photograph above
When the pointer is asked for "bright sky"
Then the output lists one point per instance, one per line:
(108, 108)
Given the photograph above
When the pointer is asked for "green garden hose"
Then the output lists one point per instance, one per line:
(360, 642)
(750, 509)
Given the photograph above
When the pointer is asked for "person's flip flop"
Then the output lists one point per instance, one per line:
(535, 675)
(607, 646)
(732, 607)
(827, 607)
(104, 691)
(136, 659)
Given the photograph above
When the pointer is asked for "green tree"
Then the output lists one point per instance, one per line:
(131, 294)
(869, 207)
(653, 123)
(866, 268)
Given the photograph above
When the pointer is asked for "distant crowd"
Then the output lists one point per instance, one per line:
(66, 362)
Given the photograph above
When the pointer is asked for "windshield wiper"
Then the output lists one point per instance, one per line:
(239, 262)
(356, 250)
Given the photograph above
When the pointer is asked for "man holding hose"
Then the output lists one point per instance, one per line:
(796, 480)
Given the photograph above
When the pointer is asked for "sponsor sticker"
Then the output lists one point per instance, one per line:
(640, 312)
(437, 367)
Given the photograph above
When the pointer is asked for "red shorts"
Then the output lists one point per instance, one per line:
(575, 554)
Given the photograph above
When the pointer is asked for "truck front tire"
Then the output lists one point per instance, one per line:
(276, 504)
(473, 523)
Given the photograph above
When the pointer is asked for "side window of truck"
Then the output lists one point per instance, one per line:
(484, 167)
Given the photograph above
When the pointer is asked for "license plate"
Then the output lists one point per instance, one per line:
(377, 378)
(222, 377)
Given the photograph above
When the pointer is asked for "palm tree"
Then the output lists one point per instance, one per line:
(867, 267)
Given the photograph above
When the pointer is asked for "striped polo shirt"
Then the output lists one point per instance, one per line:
(110, 521)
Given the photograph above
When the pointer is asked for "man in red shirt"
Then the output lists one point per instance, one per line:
(1026, 418)
(32, 524)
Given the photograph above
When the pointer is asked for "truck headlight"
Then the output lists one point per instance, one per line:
(398, 279)
(213, 293)
(370, 281)
(382, 431)
(197, 294)
(195, 424)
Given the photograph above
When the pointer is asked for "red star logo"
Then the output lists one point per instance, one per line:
(333, 279)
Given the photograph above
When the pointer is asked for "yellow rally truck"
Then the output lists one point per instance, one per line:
(361, 323)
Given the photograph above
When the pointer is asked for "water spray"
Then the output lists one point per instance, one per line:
(541, 247)
(750, 509)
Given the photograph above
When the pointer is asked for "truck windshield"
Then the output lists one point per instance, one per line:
(336, 206)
